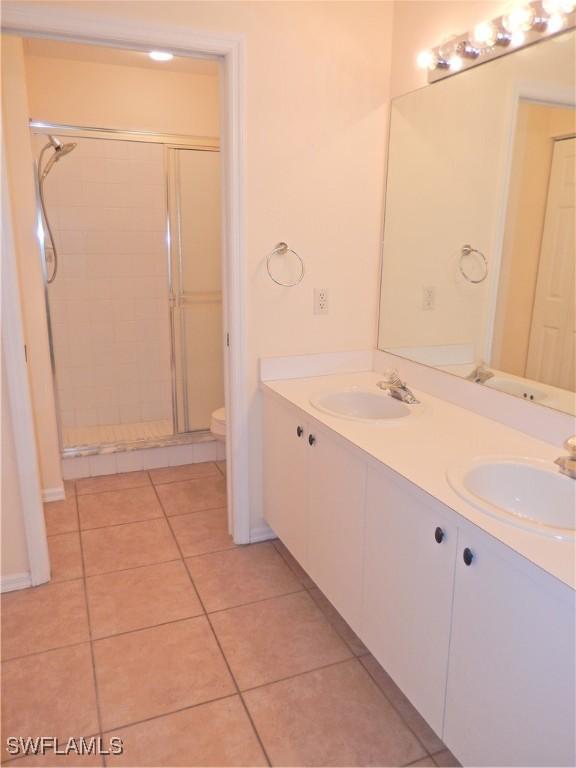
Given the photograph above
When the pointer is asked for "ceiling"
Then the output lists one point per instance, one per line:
(104, 55)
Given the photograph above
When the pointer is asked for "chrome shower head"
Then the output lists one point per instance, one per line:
(59, 151)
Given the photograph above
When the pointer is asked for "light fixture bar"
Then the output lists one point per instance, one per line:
(526, 23)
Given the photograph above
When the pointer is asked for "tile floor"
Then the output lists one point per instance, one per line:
(157, 629)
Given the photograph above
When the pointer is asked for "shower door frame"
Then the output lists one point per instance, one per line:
(64, 24)
(168, 142)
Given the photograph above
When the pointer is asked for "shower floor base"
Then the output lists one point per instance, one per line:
(116, 433)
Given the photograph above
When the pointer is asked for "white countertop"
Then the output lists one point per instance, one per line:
(423, 446)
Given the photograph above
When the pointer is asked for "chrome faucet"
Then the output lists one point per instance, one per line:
(480, 374)
(397, 388)
(567, 464)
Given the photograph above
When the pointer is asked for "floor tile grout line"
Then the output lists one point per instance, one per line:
(116, 728)
(118, 525)
(45, 650)
(122, 570)
(216, 639)
(255, 602)
(298, 674)
(148, 626)
(88, 618)
(141, 520)
(218, 473)
(133, 568)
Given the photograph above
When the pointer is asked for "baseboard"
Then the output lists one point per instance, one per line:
(53, 494)
(14, 582)
(262, 533)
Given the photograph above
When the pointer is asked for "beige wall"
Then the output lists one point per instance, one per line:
(20, 163)
(316, 80)
(537, 125)
(125, 97)
(14, 549)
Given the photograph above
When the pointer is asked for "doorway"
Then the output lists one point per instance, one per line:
(228, 50)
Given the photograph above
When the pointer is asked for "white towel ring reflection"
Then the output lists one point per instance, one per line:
(467, 250)
(281, 249)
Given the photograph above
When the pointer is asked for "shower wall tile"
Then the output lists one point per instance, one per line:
(109, 305)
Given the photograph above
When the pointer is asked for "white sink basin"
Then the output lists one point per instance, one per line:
(361, 404)
(528, 493)
(517, 388)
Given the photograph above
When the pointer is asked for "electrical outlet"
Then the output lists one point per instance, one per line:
(428, 298)
(320, 301)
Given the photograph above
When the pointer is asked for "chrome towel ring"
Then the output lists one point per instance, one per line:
(281, 249)
(466, 251)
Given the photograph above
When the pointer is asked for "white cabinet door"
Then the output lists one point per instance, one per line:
(286, 476)
(510, 698)
(336, 503)
(408, 590)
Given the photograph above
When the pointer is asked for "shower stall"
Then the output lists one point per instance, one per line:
(130, 227)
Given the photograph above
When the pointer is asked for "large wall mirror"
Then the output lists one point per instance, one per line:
(478, 274)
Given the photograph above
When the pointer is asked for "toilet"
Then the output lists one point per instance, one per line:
(218, 424)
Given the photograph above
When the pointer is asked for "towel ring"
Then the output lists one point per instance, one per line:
(281, 249)
(467, 250)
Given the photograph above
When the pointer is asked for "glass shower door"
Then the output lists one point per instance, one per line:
(196, 285)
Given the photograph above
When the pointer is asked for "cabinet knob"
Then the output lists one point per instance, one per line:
(311, 439)
(299, 431)
(468, 556)
(439, 535)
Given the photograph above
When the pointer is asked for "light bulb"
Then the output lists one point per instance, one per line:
(554, 7)
(555, 23)
(426, 60)
(485, 34)
(519, 20)
(455, 63)
(517, 38)
(161, 55)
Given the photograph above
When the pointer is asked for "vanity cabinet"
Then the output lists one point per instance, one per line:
(480, 640)
(410, 556)
(510, 694)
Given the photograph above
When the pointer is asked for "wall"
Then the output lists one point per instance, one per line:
(316, 87)
(537, 125)
(20, 163)
(14, 548)
(124, 97)
(109, 309)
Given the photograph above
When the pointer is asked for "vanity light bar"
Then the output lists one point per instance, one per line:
(524, 24)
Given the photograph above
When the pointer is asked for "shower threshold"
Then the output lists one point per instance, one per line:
(112, 438)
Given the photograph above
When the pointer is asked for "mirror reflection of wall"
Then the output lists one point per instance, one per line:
(486, 159)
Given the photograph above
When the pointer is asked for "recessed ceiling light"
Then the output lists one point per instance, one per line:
(161, 55)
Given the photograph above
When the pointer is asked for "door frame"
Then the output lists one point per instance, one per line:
(20, 405)
(69, 26)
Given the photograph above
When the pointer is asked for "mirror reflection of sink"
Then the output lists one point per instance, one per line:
(361, 404)
(528, 493)
(517, 388)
